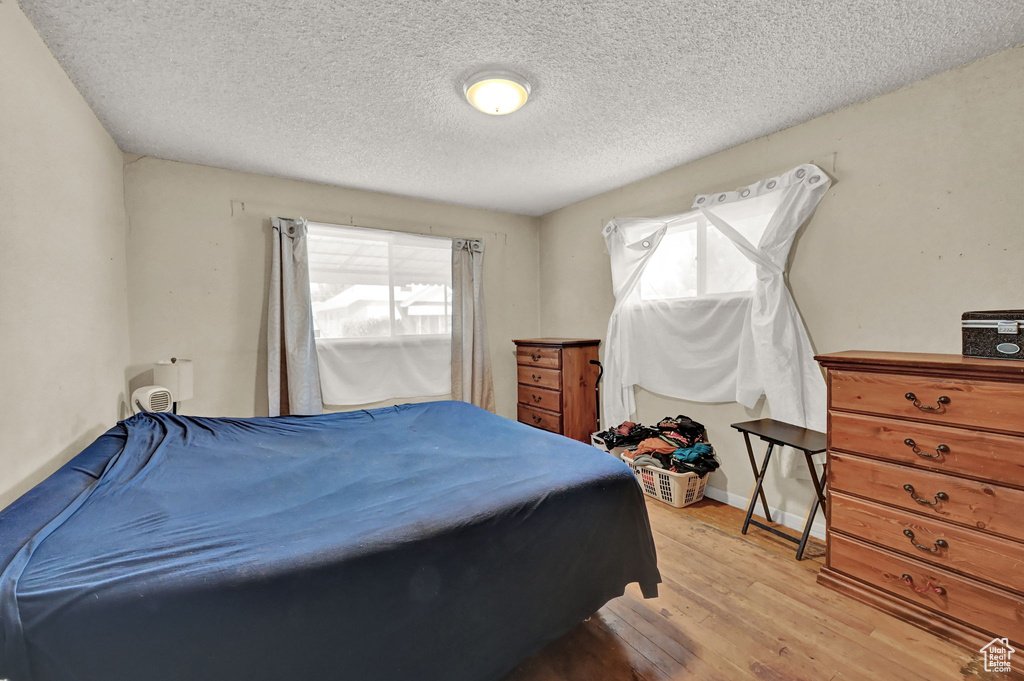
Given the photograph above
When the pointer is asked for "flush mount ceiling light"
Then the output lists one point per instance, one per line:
(497, 92)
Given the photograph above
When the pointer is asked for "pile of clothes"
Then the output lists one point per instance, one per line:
(679, 445)
(628, 434)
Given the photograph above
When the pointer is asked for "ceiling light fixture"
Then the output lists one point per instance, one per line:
(497, 92)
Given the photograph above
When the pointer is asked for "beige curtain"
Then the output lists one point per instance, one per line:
(471, 358)
(293, 379)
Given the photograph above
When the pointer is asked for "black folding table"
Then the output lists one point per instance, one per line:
(777, 433)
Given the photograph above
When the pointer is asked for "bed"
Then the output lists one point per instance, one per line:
(429, 541)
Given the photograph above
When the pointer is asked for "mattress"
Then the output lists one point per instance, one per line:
(428, 541)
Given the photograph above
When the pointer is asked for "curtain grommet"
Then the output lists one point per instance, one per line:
(645, 243)
(745, 193)
(771, 184)
(721, 197)
(700, 199)
(800, 173)
(814, 179)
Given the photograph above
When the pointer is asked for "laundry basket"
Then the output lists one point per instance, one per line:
(675, 489)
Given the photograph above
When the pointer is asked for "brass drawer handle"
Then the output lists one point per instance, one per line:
(536, 419)
(927, 587)
(536, 358)
(536, 398)
(939, 543)
(939, 496)
(942, 402)
(939, 450)
(536, 377)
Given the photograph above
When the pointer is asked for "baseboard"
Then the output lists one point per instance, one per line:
(790, 520)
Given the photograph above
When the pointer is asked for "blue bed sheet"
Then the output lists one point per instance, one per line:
(429, 541)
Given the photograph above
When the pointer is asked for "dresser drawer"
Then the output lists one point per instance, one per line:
(988, 456)
(992, 610)
(537, 356)
(540, 397)
(992, 559)
(976, 404)
(989, 507)
(541, 419)
(541, 378)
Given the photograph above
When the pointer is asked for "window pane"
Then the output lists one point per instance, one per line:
(672, 270)
(353, 273)
(728, 269)
(423, 310)
(696, 259)
(348, 281)
(422, 273)
(358, 311)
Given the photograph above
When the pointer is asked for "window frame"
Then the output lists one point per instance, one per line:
(699, 222)
(388, 237)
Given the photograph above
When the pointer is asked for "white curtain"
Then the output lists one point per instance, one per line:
(471, 358)
(293, 381)
(792, 380)
(385, 369)
(717, 347)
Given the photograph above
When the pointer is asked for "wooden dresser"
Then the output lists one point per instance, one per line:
(557, 385)
(926, 490)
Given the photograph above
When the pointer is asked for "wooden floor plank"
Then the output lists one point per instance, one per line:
(722, 653)
(738, 607)
(842, 649)
(644, 645)
(724, 517)
(677, 640)
(734, 551)
(757, 629)
(588, 652)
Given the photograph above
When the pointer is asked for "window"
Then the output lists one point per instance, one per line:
(695, 259)
(374, 284)
(382, 313)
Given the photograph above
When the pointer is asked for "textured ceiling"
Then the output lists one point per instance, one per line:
(368, 94)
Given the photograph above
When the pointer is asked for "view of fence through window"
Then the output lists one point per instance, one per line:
(368, 283)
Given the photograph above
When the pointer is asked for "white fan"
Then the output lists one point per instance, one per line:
(151, 398)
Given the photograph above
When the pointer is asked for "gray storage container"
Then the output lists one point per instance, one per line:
(996, 334)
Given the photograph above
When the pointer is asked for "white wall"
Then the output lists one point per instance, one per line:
(199, 261)
(63, 307)
(924, 223)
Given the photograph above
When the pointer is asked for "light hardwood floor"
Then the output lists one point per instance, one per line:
(734, 607)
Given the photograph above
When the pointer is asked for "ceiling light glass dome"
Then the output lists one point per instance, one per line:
(497, 92)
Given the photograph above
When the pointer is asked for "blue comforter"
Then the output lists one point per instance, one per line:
(429, 541)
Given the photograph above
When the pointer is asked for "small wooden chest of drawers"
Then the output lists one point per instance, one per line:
(926, 490)
(558, 384)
